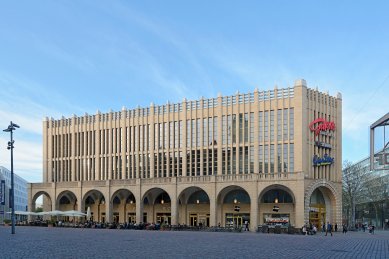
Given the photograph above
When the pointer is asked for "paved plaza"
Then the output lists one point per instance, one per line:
(43, 242)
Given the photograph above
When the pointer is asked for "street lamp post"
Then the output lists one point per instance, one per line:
(12, 126)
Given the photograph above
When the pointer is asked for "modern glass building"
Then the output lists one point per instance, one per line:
(268, 157)
(372, 199)
(21, 198)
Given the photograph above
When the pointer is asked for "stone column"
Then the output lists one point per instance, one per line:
(174, 202)
(139, 211)
(213, 212)
(108, 211)
(254, 212)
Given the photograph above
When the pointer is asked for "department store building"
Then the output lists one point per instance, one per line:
(268, 157)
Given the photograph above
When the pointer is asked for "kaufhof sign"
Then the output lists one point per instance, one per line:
(321, 161)
(320, 125)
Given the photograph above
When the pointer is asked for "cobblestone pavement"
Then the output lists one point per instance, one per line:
(41, 242)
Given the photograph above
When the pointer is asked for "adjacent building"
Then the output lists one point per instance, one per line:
(21, 197)
(268, 157)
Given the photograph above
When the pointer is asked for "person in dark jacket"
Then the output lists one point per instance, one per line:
(329, 228)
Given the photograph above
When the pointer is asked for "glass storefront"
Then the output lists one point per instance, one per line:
(164, 218)
(236, 219)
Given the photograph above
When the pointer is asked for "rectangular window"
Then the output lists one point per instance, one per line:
(224, 129)
(205, 131)
(266, 126)
(155, 136)
(240, 160)
(271, 126)
(285, 160)
(180, 129)
(260, 159)
(279, 125)
(193, 130)
(141, 138)
(160, 144)
(149, 137)
(234, 160)
(260, 127)
(246, 160)
(272, 158)
(291, 124)
(251, 161)
(233, 128)
(285, 120)
(229, 129)
(241, 127)
(291, 157)
(224, 156)
(176, 134)
(279, 161)
(215, 131)
(171, 132)
(165, 136)
(188, 132)
(228, 154)
(266, 158)
(246, 127)
(210, 128)
(251, 127)
(198, 128)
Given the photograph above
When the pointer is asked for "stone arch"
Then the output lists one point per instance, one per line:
(277, 206)
(194, 207)
(331, 199)
(96, 200)
(66, 200)
(186, 194)
(222, 193)
(123, 206)
(153, 193)
(275, 187)
(156, 203)
(47, 204)
(233, 205)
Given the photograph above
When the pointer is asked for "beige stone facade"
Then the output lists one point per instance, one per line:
(227, 160)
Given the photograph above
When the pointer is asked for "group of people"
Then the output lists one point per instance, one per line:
(326, 228)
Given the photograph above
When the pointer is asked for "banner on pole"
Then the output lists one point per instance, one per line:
(2, 192)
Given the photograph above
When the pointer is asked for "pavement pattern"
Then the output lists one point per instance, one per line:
(47, 242)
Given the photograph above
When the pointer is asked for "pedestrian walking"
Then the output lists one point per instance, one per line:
(329, 228)
(344, 229)
(246, 225)
(336, 227)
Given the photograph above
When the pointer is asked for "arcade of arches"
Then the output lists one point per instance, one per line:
(230, 205)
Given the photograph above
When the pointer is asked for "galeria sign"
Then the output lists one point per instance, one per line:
(321, 124)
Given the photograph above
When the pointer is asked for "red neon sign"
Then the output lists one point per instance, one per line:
(321, 124)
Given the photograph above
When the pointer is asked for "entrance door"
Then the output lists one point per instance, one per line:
(131, 217)
(193, 219)
(164, 218)
(236, 219)
(317, 215)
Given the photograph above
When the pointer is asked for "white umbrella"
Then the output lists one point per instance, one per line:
(88, 213)
(73, 213)
(54, 213)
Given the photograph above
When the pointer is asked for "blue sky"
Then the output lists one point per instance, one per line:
(59, 58)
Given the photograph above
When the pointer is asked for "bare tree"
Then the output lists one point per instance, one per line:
(353, 178)
(375, 189)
